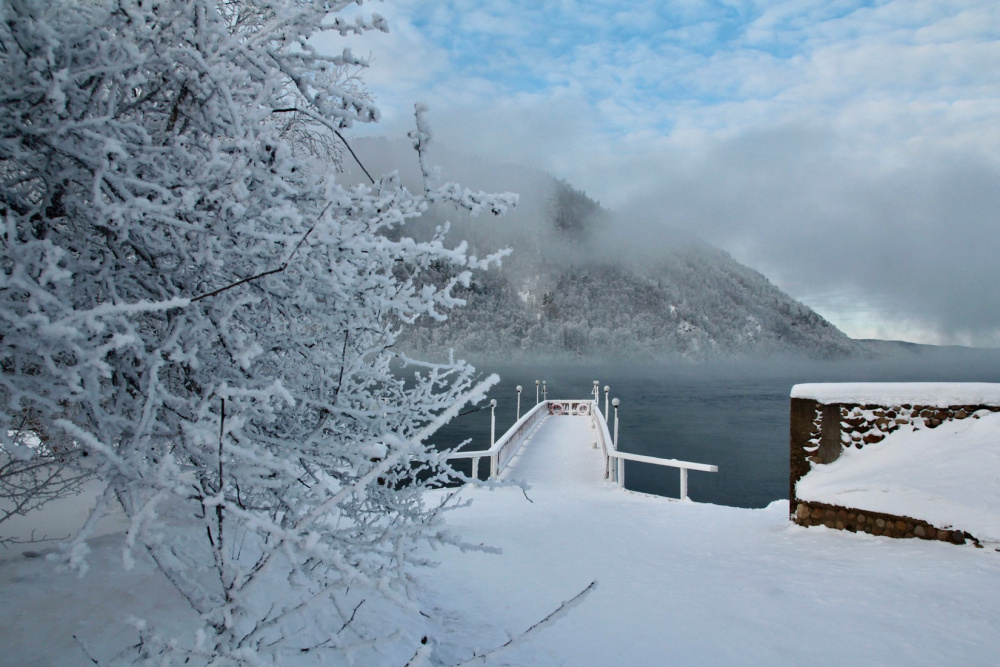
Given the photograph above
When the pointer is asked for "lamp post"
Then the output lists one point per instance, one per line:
(493, 421)
(597, 391)
(518, 403)
(621, 462)
(607, 389)
(536, 392)
(545, 394)
(615, 403)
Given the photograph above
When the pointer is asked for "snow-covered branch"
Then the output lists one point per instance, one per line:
(174, 239)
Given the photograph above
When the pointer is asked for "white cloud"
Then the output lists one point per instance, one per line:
(819, 141)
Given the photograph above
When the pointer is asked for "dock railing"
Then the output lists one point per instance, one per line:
(614, 461)
(501, 453)
(503, 450)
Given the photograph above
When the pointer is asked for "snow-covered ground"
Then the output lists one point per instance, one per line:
(678, 582)
(948, 476)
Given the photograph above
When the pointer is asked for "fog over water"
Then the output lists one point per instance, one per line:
(733, 415)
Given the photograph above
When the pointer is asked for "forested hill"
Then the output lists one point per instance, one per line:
(583, 283)
(698, 303)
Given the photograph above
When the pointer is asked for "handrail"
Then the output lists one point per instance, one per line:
(673, 463)
(616, 473)
(604, 438)
(509, 443)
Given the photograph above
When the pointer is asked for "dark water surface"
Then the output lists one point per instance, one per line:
(733, 415)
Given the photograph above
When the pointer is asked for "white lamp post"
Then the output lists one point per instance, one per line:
(493, 421)
(621, 462)
(518, 403)
(545, 394)
(536, 392)
(597, 391)
(607, 389)
(615, 403)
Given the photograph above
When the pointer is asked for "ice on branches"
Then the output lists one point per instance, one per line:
(474, 202)
(189, 297)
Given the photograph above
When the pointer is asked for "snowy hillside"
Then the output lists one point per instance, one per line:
(697, 303)
(583, 282)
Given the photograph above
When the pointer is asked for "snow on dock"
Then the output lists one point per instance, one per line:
(561, 452)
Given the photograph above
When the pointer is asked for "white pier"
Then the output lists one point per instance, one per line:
(567, 442)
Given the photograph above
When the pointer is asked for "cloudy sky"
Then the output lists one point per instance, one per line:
(848, 150)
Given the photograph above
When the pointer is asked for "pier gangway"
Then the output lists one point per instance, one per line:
(569, 441)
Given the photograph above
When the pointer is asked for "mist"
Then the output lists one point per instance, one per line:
(638, 237)
(912, 242)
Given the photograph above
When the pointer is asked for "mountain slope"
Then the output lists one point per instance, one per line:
(584, 282)
(697, 303)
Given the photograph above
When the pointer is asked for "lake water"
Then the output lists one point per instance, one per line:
(733, 415)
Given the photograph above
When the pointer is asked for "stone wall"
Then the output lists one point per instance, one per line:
(874, 523)
(821, 431)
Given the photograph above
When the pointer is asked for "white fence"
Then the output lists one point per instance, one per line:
(614, 461)
(504, 449)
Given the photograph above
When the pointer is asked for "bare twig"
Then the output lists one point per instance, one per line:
(351, 619)
(422, 654)
(561, 611)
(284, 265)
(84, 649)
(469, 412)
(351, 151)
(218, 506)
(339, 136)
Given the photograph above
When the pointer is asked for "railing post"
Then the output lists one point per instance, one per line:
(493, 466)
(607, 390)
(684, 483)
(475, 468)
(493, 421)
(536, 392)
(518, 403)
(621, 462)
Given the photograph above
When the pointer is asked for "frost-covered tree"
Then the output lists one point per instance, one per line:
(36, 468)
(190, 296)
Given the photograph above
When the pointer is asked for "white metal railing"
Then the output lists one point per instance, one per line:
(510, 442)
(605, 441)
(503, 450)
(614, 461)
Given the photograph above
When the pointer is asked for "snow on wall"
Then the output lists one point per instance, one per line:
(947, 476)
(899, 459)
(937, 394)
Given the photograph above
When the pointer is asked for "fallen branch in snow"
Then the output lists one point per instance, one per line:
(422, 657)
(561, 611)
(85, 651)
